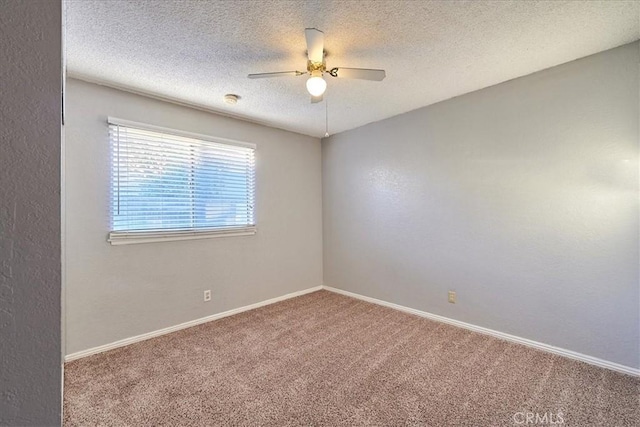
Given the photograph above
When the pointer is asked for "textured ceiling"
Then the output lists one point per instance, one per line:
(195, 52)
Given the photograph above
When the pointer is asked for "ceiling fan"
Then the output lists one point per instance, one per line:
(316, 68)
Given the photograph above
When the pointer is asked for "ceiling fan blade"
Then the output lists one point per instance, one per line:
(315, 44)
(316, 99)
(358, 73)
(278, 74)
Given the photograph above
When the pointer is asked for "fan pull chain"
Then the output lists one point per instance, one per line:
(326, 118)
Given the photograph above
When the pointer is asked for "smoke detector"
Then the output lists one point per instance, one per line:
(231, 99)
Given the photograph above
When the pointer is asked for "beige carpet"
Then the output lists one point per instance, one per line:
(328, 360)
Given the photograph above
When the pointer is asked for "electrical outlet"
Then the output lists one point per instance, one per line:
(452, 297)
(207, 295)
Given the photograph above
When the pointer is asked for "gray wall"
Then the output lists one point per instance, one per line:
(30, 132)
(522, 197)
(116, 292)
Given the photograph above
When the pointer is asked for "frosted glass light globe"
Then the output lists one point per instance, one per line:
(316, 86)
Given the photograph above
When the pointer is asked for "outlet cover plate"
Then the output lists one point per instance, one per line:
(452, 297)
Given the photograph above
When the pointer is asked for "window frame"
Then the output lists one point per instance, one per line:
(150, 236)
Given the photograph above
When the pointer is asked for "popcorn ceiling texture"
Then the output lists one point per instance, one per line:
(324, 359)
(30, 76)
(196, 52)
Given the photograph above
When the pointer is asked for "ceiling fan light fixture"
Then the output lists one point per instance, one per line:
(317, 67)
(316, 84)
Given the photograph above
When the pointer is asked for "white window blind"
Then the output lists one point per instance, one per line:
(171, 185)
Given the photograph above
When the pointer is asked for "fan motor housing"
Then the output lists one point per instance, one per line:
(316, 66)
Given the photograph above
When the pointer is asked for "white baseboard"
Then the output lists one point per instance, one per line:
(508, 337)
(529, 343)
(164, 331)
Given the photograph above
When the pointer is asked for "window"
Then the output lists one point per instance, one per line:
(172, 185)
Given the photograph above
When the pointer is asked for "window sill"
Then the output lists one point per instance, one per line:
(135, 237)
